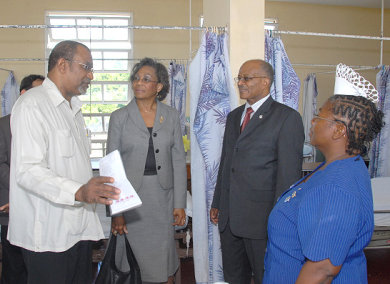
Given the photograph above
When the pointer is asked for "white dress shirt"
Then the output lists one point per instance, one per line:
(255, 107)
(49, 163)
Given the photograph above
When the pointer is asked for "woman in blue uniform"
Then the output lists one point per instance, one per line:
(319, 227)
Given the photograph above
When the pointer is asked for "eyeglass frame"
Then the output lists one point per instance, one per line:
(86, 67)
(246, 79)
(315, 116)
(145, 80)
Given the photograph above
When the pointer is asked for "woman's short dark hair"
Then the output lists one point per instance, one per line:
(161, 73)
(361, 118)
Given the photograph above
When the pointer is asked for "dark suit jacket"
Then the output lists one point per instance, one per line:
(5, 159)
(257, 166)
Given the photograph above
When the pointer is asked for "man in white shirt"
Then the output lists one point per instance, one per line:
(12, 264)
(53, 195)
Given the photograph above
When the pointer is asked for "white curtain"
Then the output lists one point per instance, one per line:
(380, 149)
(9, 94)
(212, 98)
(286, 86)
(176, 97)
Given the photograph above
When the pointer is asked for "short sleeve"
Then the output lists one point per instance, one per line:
(328, 220)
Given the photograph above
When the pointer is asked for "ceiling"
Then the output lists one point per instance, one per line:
(355, 3)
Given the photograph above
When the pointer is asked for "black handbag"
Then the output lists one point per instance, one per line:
(110, 274)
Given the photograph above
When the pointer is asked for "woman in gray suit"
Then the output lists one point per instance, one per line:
(147, 134)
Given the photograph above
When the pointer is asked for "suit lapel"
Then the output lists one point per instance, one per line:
(161, 117)
(237, 120)
(258, 117)
(136, 117)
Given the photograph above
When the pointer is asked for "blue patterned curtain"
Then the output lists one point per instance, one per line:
(380, 149)
(286, 85)
(212, 98)
(9, 94)
(177, 93)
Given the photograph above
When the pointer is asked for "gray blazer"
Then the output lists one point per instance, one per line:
(5, 159)
(127, 132)
(257, 166)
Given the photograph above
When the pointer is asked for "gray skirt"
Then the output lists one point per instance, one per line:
(151, 234)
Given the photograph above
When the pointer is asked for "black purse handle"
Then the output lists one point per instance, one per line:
(130, 255)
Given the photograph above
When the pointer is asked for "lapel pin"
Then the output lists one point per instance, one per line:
(161, 119)
(260, 116)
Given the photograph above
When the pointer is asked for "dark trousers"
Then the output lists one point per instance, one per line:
(242, 257)
(73, 266)
(13, 268)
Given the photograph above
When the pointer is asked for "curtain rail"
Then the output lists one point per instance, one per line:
(222, 29)
(331, 35)
(126, 59)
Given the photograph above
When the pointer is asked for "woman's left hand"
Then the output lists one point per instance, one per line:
(179, 216)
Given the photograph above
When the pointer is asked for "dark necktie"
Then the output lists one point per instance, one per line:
(247, 117)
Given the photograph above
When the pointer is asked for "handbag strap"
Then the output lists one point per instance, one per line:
(111, 250)
(130, 256)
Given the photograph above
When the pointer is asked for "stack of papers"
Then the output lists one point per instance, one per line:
(112, 166)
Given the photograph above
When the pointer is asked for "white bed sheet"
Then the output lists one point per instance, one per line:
(381, 198)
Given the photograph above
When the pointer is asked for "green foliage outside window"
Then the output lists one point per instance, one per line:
(100, 108)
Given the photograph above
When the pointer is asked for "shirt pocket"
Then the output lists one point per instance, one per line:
(65, 143)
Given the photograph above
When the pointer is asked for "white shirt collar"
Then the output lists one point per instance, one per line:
(257, 104)
(57, 98)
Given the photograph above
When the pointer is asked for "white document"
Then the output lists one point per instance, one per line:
(112, 166)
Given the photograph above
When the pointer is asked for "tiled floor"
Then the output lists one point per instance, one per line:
(378, 267)
(187, 271)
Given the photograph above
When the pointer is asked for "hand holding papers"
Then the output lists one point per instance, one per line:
(112, 166)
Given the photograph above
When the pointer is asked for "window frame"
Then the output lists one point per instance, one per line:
(104, 46)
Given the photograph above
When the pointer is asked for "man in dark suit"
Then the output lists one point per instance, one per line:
(261, 157)
(13, 269)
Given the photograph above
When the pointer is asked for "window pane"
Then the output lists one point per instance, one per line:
(89, 33)
(123, 77)
(124, 45)
(111, 50)
(106, 122)
(116, 33)
(97, 62)
(96, 153)
(100, 108)
(115, 92)
(121, 64)
(96, 146)
(63, 33)
(94, 93)
(94, 123)
(99, 137)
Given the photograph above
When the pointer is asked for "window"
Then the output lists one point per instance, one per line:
(110, 42)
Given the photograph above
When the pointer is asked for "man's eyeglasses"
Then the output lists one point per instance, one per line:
(145, 80)
(86, 67)
(247, 78)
